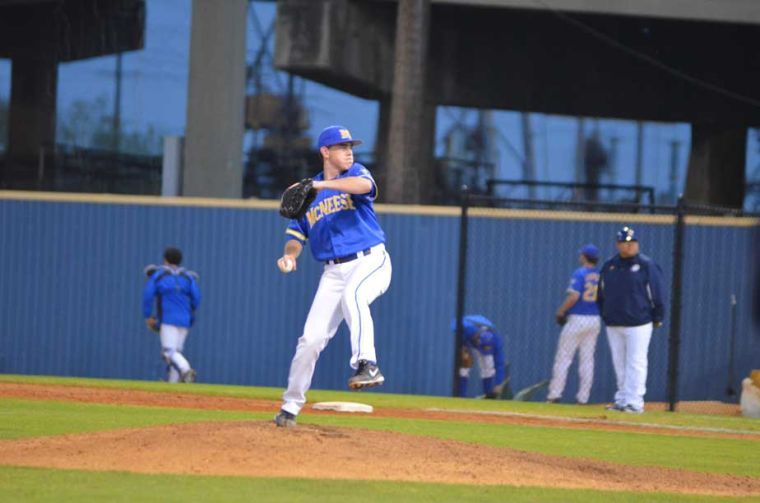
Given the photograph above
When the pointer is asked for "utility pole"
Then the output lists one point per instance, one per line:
(612, 166)
(116, 125)
(529, 165)
(639, 157)
(673, 190)
(580, 157)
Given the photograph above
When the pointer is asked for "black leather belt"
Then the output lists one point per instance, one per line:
(349, 258)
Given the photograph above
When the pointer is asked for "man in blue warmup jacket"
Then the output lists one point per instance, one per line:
(177, 296)
(631, 302)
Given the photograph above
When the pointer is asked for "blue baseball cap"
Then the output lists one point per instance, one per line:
(334, 135)
(590, 251)
(626, 234)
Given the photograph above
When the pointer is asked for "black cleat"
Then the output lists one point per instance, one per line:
(285, 419)
(616, 407)
(630, 409)
(366, 376)
(189, 376)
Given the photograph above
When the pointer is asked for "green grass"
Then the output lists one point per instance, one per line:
(43, 485)
(20, 418)
(29, 418)
(414, 402)
(32, 418)
(729, 456)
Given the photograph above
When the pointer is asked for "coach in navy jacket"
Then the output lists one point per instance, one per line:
(631, 303)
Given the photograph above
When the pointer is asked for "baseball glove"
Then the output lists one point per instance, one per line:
(152, 324)
(297, 198)
(561, 319)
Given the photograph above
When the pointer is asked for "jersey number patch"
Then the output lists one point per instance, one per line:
(589, 291)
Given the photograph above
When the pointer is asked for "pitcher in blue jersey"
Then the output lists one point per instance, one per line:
(344, 234)
(580, 314)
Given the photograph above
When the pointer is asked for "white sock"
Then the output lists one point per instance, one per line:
(173, 375)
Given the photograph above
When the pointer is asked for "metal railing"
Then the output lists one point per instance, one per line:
(579, 189)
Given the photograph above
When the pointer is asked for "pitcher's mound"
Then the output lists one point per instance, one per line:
(260, 449)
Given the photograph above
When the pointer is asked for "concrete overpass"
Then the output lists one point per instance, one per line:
(694, 61)
(37, 35)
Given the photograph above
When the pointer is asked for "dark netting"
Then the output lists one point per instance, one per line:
(523, 259)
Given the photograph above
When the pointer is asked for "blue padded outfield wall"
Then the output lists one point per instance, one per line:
(71, 280)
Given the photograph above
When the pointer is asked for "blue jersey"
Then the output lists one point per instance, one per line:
(480, 334)
(585, 282)
(178, 296)
(339, 224)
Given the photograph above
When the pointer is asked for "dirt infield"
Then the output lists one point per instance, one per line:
(259, 449)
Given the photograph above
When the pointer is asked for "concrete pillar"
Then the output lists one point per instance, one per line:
(171, 167)
(409, 152)
(32, 118)
(717, 164)
(380, 173)
(216, 100)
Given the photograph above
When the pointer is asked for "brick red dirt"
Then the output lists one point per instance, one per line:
(258, 449)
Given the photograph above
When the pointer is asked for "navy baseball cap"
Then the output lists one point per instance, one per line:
(626, 234)
(334, 135)
(590, 251)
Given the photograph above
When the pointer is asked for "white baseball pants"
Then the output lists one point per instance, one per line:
(580, 334)
(630, 347)
(172, 344)
(345, 292)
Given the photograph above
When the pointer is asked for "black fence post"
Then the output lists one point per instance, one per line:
(461, 278)
(730, 390)
(674, 346)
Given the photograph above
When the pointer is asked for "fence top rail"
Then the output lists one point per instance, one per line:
(88, 198)
(550, 204)
(572, 185)
(382, 208)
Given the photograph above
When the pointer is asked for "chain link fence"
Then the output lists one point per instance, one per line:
(520, 260)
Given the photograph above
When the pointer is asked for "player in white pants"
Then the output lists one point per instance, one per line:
(629, 347)
(579, 315)
(345, 292)
(631, 300)
(343, 231)
(172, 345)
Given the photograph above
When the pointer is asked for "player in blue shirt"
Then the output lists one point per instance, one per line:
(177, 296)
(631, 301)
(481, 340)
(344, 234)
(579, 315)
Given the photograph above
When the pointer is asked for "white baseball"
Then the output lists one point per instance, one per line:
(286, 264)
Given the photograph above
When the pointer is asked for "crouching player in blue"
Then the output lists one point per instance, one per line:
(481, 341)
